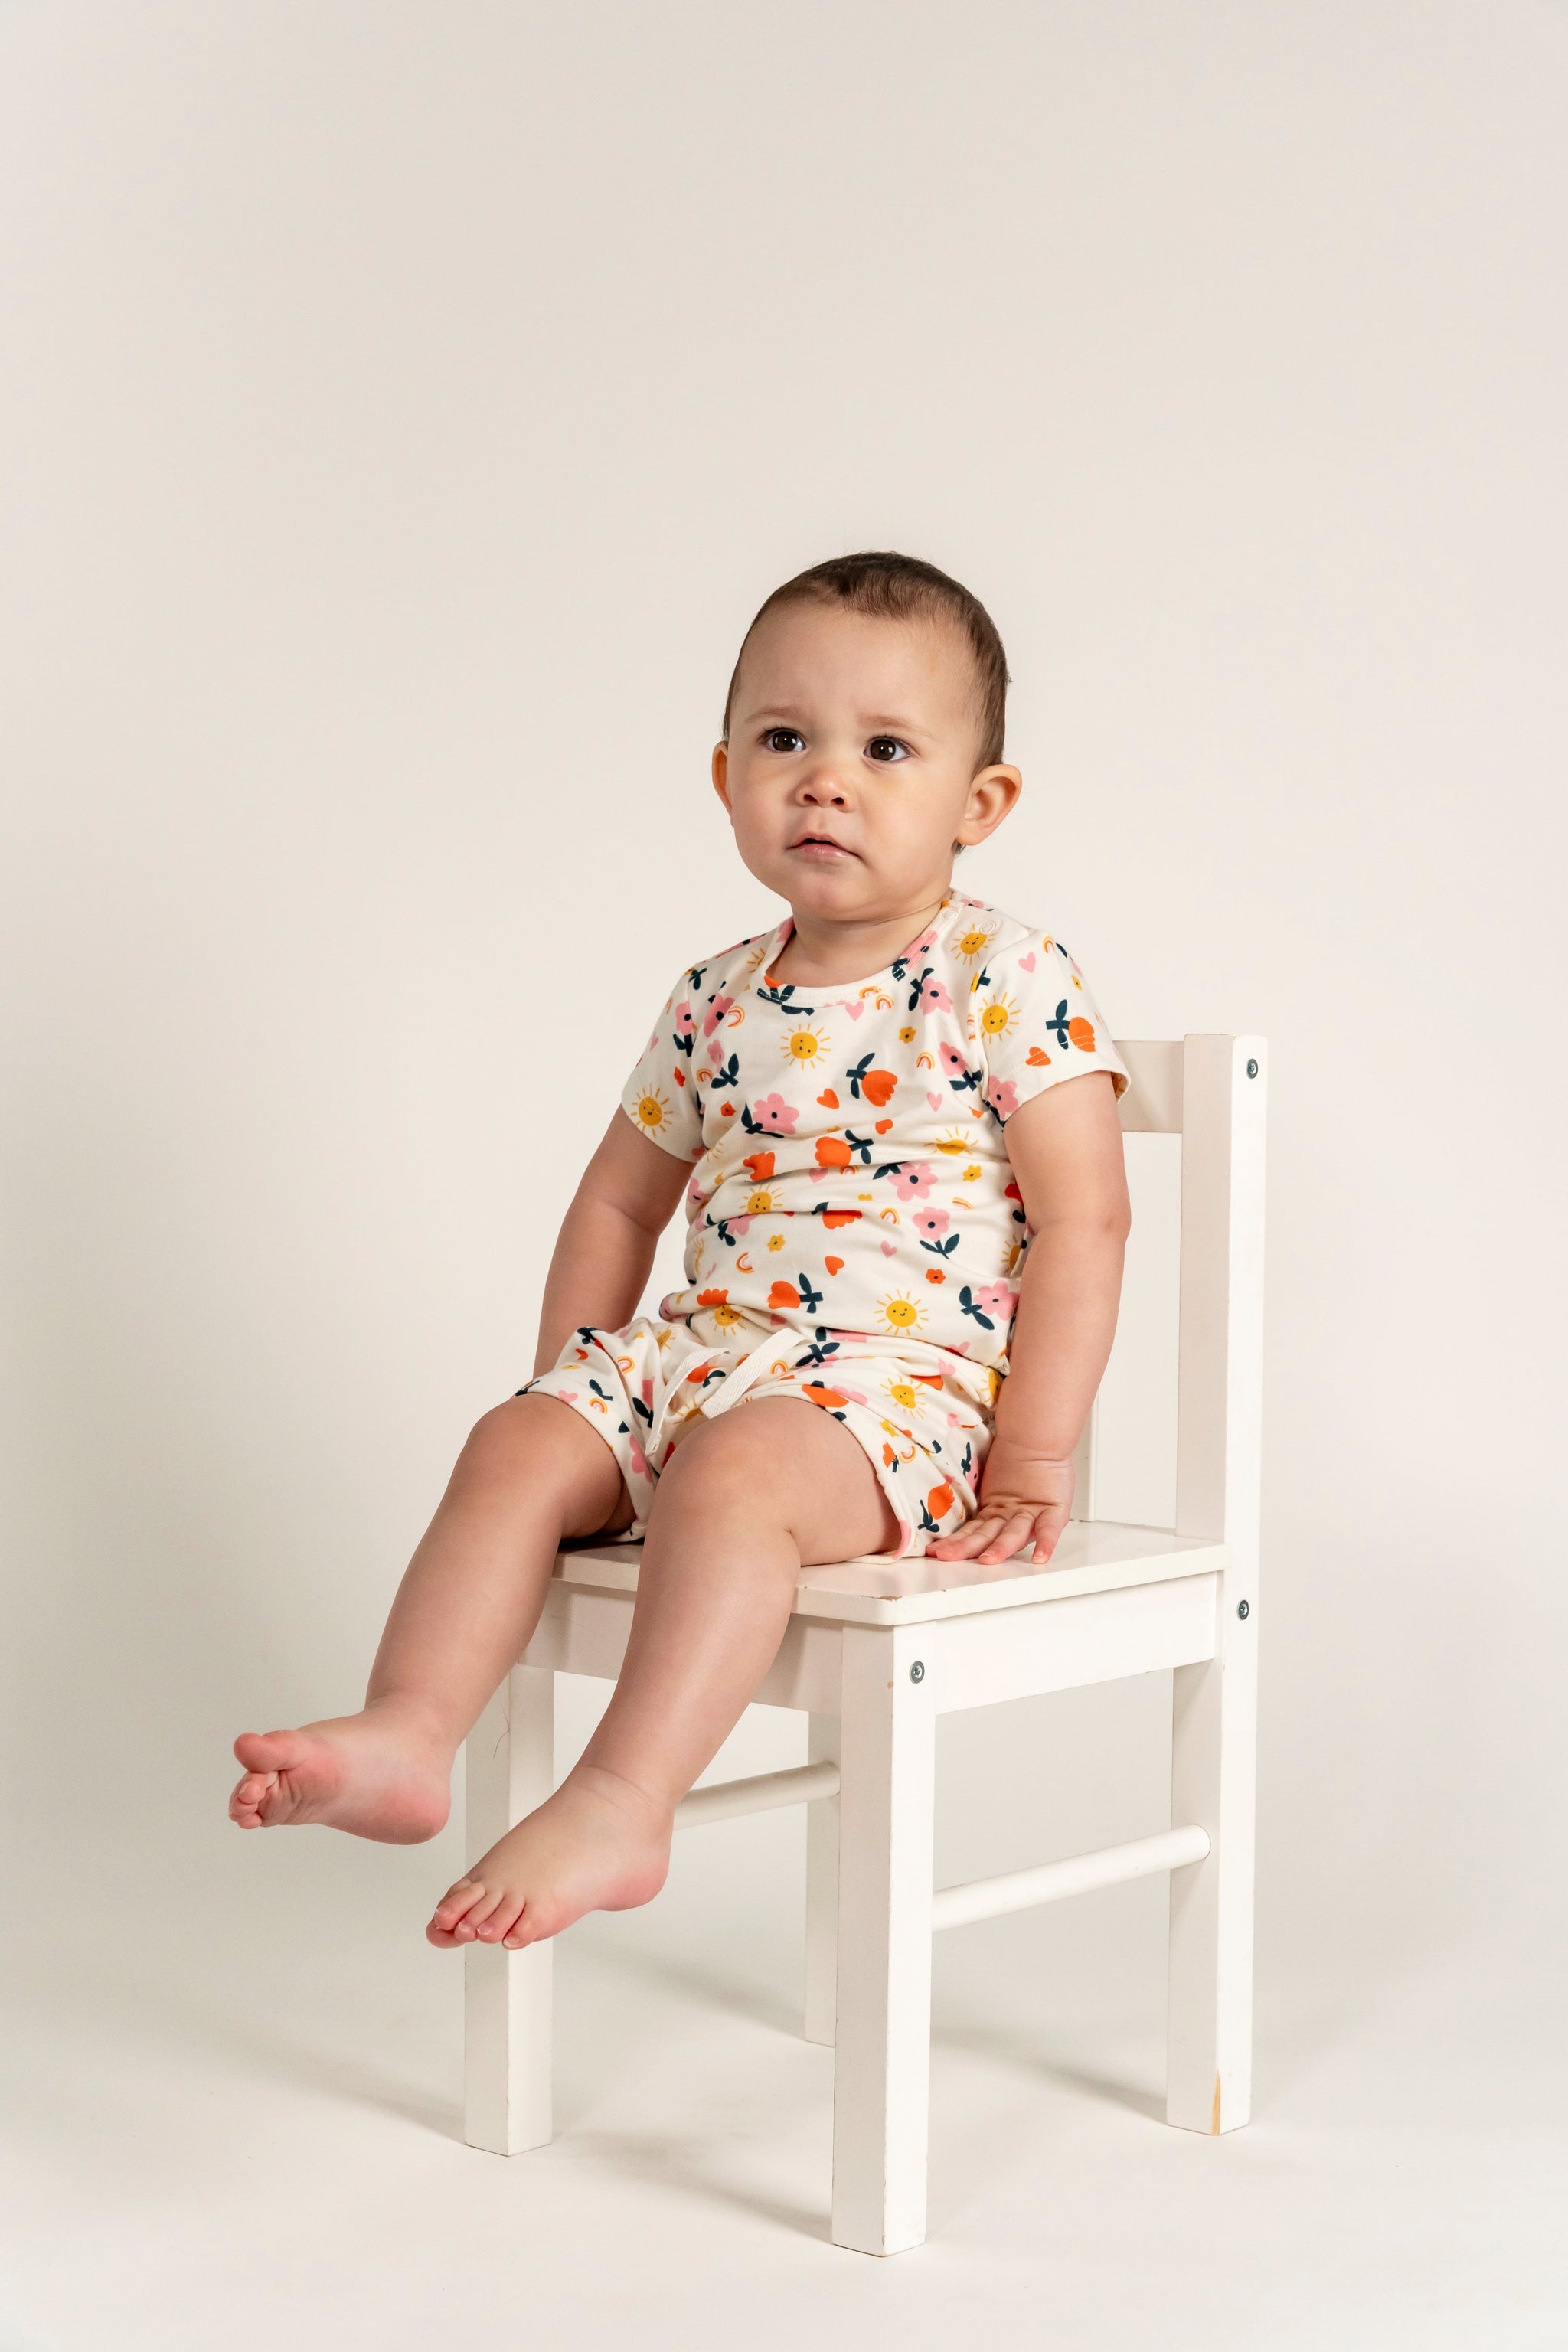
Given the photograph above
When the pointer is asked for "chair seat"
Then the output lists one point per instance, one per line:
(1093, 1556)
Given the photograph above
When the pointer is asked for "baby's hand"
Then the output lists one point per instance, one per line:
(1025, 1499)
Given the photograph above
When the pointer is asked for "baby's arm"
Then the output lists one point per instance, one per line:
(630, 1191)
(1065, 1149)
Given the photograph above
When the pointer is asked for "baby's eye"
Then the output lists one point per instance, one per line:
(887, 748)
(784, 738)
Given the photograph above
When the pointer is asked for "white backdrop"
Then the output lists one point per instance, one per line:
(405, 409)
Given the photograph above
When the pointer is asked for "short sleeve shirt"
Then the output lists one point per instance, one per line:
(849, 1143)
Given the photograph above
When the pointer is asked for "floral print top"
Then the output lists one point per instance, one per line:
(850, 1142)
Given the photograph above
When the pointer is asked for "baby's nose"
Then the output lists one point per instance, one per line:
(824, 784)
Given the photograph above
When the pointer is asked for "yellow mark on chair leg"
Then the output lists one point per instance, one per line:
(1214, 2111)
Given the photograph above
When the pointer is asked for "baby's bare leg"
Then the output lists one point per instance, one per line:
(746, 1501)
(531, 1472)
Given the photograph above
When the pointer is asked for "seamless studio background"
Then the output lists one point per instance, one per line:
(405, 409)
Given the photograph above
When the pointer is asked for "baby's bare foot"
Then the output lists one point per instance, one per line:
(381, 1774)
(599, 1843)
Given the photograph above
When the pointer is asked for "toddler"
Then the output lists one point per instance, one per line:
(892, 1122)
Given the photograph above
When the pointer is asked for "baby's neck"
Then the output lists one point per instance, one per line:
(830, 951)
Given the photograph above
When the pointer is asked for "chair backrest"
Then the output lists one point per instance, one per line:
(1211, 1091)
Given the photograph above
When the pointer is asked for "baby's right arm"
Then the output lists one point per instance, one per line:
(630, 1191)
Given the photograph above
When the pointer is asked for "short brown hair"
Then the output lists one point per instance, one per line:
(902, 588)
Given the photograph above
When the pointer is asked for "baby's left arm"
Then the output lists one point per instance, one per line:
(1065, 1149)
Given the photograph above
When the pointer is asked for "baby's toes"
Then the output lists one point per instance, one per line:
(497, 1923)
(451, 1913)
(249, 1795)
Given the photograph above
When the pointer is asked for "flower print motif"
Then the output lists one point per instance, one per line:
(1059, 1021)
(725, 1072)
(1000, 1015)
(829, 1399)
(781, 1295)
(1002, 1096)
(931, 1224)
(960, 1076)
(775, 1241)
(684, 1031)
(1081, 1032)
(769, 1115)
(877, 1085)
(832, 1152)
(934, 997)
(712, 1297)
(971, 1175)
(761, 1165)
(805, 1043)
(906, 1037)
(899, 1313)
(653, 1112)
(941, 1500)
(990, 1302)
(912, 1180)
(717, 1008)
(935, 1274)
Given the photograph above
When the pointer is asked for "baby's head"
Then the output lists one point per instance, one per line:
(863, 736)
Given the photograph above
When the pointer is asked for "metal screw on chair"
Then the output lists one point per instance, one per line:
(1252, 1069)
(917, 1672)
(1244, 1608)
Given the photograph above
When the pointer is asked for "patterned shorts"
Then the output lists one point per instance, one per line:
(921, 1416)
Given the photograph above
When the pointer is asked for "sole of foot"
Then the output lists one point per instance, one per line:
(361, 1773)
(597, 1844)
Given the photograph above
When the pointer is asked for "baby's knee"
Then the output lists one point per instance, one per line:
(525, 1435)
(736, 1464)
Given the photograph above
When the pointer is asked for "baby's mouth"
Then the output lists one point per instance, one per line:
(820, 845)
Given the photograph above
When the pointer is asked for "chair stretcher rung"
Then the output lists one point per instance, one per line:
(1018, 1890)
(758, 1795)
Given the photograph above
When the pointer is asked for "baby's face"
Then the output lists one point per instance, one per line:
(850, 772)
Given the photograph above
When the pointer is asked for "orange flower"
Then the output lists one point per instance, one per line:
(712, 1297)
(783, 1294)
(839, 1216)
(877, 1085)
(935, 1274)
(939, 1502)
(761, 1165)
(827, 1398)
(1081, 1032)
(832, 1152)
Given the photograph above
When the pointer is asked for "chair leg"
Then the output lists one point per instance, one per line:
(822, 1891)
(882, 2069)
(510, 1768)
(1213, 1773)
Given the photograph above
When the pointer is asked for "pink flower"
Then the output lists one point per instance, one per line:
(912, 1182)
(775, 1116)
(715, 1014)
(952, 1061)
(995, 1299)
(934, 997)
(931, 1224)
(683, 1021)
(1003, 1097)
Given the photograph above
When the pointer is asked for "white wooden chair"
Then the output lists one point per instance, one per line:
(877, 1648)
